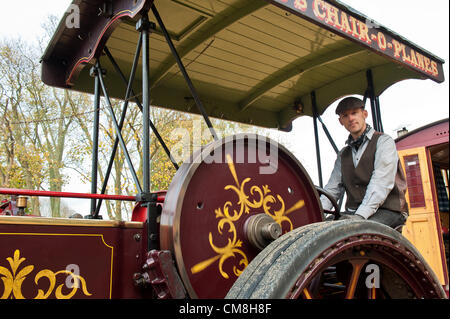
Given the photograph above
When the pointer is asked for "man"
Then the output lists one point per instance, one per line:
(368, 170)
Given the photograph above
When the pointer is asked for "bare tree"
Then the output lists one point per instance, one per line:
(38, 122)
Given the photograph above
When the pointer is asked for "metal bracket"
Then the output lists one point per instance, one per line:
(160, 273)
(106, 9)
(93, 72)
(93, 217)
(146, 197)
(153, 211)
(144, 24)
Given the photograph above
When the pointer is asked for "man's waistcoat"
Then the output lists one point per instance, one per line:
(356, 179)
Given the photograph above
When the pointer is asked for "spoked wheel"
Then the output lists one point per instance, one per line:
(339, 259)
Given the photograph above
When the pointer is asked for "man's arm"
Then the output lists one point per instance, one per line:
(383, 177)
(334, 185)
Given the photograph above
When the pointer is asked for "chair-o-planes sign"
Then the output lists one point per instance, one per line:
(367, 32)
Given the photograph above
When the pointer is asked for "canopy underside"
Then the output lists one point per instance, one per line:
(251, 61)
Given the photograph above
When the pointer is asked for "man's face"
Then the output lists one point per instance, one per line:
(354, 120)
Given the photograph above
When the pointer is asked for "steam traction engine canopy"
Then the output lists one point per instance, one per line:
(252, 61)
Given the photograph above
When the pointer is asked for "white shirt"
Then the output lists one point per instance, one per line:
(382, 180)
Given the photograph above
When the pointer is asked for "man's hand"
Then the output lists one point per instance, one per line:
(351, 216)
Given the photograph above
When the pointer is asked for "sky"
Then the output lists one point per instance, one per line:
(410, 103)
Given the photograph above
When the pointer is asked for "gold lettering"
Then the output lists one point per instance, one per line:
(381, 41)
(405, 57)
(300, 4)
(332, 15)
(427, 64)
(345, 26)
(353, 21)
(364, 32)
(434, 69)
(397, 48)
(420, 61)
(316, 10)
(413, 58)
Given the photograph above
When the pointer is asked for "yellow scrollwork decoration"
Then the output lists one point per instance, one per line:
(260, 197)
(13, 279)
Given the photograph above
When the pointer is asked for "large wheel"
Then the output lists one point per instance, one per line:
(339, 259)
(218, 214)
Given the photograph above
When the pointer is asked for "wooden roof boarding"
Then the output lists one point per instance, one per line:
(252, 61)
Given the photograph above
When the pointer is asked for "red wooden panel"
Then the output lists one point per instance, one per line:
(414, 181)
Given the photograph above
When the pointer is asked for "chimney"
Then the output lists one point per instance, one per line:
(402, 132)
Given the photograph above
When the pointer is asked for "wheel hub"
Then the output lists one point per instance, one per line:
(261, 230)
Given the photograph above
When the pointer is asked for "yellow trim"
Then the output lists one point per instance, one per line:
(13, 280)
(421, 228)
(426, 184)
(30, 220)
(307, 294)
(85, 235)
(234, 246)
(373, 293)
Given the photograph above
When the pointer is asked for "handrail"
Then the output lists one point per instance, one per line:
(28, 192)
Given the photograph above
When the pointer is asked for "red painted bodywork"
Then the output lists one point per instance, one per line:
(435, 133)
(432, 134)
(106, 254)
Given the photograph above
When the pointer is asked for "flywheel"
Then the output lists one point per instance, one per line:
(229, 201)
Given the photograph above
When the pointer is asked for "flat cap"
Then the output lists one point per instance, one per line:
(349, 103)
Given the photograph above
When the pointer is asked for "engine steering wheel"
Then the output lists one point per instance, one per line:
(336, 211)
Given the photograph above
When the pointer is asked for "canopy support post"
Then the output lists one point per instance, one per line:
(327, 133)
(94, 168)
(121, 122)
(143, 26)
(138, 102)
(116, 127)
(374, 102)
(192, 89)
(148, 200)
(316, 136)
(377, 107)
